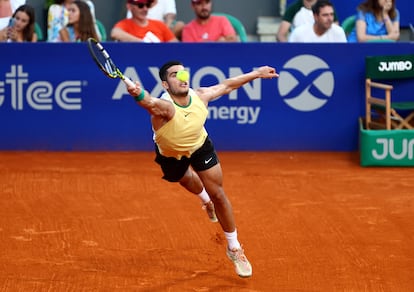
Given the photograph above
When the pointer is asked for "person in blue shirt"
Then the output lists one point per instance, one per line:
(376, 20)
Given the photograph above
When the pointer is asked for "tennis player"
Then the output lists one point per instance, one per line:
(184, 150)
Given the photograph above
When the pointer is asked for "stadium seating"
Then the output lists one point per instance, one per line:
(237, 25)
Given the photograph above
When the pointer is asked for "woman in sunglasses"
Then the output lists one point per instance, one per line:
(139, 28)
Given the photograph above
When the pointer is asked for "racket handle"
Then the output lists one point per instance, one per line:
(128, 82)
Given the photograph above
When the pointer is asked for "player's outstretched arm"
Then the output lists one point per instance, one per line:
(230, 84)
(155, 106)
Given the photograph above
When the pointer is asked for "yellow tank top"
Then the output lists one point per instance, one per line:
(185, 132)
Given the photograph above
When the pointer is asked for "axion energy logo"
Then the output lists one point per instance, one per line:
(306, 83)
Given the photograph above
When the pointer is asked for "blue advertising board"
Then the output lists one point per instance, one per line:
(53, 97)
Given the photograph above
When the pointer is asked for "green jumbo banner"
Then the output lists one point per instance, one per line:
(386, 147)
(390, 67)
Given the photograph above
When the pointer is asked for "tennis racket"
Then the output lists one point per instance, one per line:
(105, 63)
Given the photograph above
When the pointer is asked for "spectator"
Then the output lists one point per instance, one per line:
(323, 30)
(92, 8)
(57, 18)
(296, 14)
(7, 8)
(206, 27)
(376, 20)
(140, 28)
(80, 25)
(165, 11)
(22, 29)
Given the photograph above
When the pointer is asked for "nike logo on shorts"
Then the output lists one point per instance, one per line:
(207, 160)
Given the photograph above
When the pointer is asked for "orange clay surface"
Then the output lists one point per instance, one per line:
(104, 221)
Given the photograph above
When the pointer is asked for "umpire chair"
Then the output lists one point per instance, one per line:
(384, 109)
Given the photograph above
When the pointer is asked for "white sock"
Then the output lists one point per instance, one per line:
(204, 197)
(232, 241)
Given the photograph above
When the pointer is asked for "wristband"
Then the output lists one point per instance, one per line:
(141, 95)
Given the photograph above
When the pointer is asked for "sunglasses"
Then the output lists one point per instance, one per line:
(141, 5)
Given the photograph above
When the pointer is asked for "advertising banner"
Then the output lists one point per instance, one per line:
(53, 97)
(386, 147)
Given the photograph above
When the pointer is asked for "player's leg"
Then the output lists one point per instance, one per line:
(175, 170)
(213, 183)
(192, 182)
(206, 163)
(212, 179)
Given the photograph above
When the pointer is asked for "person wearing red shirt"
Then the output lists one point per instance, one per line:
(206, 27)
(140, 28)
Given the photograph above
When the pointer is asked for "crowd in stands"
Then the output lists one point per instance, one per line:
(323, 29)
(155, 21)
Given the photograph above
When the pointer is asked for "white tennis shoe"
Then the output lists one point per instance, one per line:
(241, 263)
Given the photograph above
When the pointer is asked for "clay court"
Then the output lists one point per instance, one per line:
(105, 221)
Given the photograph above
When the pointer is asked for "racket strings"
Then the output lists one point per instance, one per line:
(104, 60)
(108, 67)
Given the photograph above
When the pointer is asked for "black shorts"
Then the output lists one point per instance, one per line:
(174, 169)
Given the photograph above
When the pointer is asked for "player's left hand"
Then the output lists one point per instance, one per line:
(267, 72)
